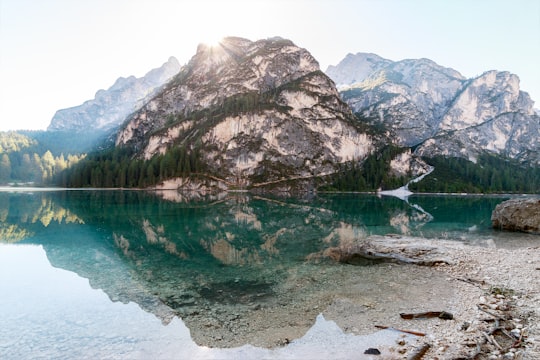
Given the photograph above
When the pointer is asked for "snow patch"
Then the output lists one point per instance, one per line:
(403, 192)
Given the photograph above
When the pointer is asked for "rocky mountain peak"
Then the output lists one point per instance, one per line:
(261, 64)
(355, 68)
(233, 67)
(210, 58)
(440, 112)
(164, 73)
(254, 111)
(486, 97)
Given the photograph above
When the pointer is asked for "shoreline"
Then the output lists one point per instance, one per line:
(490, 292)
(243, 191)
(491, 288)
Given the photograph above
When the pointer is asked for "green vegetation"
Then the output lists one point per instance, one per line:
(37, 157)
(372, 174)
(117, 167)
(501, 290)
(57, 157)
(12, 141)
(25, 160)
(490, 174)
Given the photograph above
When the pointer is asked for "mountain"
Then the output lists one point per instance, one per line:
(255, 113)
(262, 115)
(354, 69)
(438, 111)
(110, 107)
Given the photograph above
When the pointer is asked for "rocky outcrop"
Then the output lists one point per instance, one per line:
(517, 215)
(110, 107)
(258, 113)
(420, 103)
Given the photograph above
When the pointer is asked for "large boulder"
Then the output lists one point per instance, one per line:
(517, 215)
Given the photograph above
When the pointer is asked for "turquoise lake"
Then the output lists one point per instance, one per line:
(134, 274)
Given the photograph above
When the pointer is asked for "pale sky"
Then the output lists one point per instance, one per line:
(56, 54)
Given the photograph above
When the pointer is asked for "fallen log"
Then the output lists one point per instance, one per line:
(377, 249)
(361, 256)
(429, 314)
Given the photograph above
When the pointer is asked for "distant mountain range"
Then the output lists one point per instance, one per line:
(261, 114)
(438, 111)
(110, 107)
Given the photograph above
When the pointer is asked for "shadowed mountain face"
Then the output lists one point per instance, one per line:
(435, 108)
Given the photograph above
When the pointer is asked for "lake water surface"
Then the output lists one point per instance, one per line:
(133, 274)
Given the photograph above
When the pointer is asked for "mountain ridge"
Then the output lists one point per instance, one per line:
(438, 111)
(261, 114)
(110, 107)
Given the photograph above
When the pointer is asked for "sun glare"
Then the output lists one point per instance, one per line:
(212, 41)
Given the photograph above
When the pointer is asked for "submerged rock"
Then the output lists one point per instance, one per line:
(517, 215)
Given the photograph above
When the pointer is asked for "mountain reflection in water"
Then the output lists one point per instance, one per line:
(69, 320)
(224, 263)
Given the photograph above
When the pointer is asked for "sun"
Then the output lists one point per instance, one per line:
(212, 40)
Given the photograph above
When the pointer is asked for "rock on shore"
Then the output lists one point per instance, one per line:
(517, 215)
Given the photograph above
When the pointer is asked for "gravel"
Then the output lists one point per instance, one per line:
(484, 288)
(492, 293)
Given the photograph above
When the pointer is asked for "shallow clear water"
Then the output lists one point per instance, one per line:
(121, 273)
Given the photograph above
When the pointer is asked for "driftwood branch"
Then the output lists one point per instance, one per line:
(471, 281)
(412, 332)
(497, 317)
(492, 340)
(419, 352)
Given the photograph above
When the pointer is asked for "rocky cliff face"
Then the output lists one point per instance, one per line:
(420, 103)
(110, 107)
(489, 114)
(258, 112)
